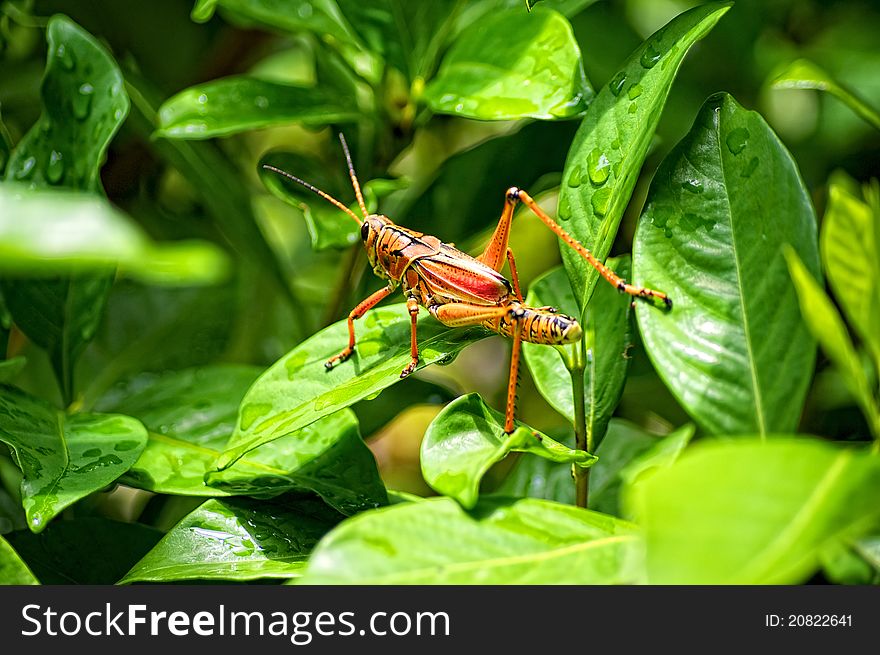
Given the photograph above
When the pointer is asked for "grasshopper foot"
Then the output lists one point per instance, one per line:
(338, 359)
(409, 369)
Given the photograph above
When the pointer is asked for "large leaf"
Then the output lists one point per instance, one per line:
(237, 539)
(850, 244)
(64, 457)
(320, 17)
(502, 541)
(297, 390)
(467, 438)
(87, 550)
(51, 232)
(610, 147)
(190, 415)
(511, 66)
(827, 326)
(804, 74)
(84, 103)
(13, 570)
(236, 104)
(754, 512)
(722, 207)
(607, 340)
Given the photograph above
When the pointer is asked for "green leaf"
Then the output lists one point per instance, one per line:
(482, 76)
(84, 103)
(804, 74)
(827, 326)
(408, 35)
(503, 541)
(607, 339)
(328, 226)
(9, 368)
(86, 550)
(190, 415)
(297, 390)
(237, 539)
(733, 350)
(850, 245)
(236, 104)
(64, 457)
(92, 236)
(60, 315)
(320, 17)
(13, 571)
(852, 563)
(467, 438)
(625, 452)
(753, 512)
(612, 142)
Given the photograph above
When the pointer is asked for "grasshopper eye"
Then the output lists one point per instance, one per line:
(365, 231)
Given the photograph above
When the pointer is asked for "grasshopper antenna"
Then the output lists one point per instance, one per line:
(354, 180)
(325, 196)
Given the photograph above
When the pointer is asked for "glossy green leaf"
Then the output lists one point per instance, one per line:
(853, 562)
(236, 104)
(13, 571)
(753, 512)
(190, 415)
(467, 438)
(297, 390)
(612, 142)
(734, 349)
(607, 339)
(320, 17)
(86, 550)
(328, 226)
(60, 315)
(850, 245)
(824, 321)
(510, 66)
(84, 104)
(503, 541)
(89, 235)
(237, 539)
(64, 457)
(804, 74)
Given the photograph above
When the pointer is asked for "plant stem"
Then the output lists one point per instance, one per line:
(581, 475)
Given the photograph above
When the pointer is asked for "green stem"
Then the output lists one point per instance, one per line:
(581, 475)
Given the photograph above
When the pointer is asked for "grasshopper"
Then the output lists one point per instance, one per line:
(459, 290)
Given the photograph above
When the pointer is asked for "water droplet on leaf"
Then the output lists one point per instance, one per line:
(65, 57)
(55, 167)
(598, 166)
(737, 140)
(27, 169)
(82, 101)
(574, 179)
(617, 82)
(634, 91)
(650, 56)
(692, 185)
(600, 201)
(261, 101)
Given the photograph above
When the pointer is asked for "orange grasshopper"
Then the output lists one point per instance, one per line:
(459, 290)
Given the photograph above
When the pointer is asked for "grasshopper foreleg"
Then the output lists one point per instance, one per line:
(362, 308)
